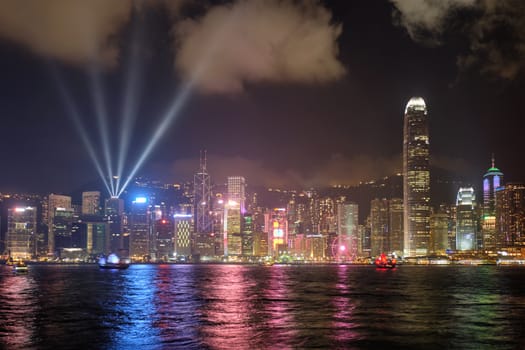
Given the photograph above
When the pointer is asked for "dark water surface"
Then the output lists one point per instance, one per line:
(252, 307)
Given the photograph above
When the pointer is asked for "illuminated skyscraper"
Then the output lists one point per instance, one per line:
(114, 210)
(183, 229)
(466, 222)
(236, 191)
(510, 216)
(348, 240)
(90, 203)
(379, 221)
(202, 199)
(60, 225)
(276, 224)
(492, 179)
(139, 229)
(416, 178)
(232, 228)
(21, 231)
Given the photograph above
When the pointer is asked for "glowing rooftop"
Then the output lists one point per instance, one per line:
(416, 104)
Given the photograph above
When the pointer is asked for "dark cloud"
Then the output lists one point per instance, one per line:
(495, 30)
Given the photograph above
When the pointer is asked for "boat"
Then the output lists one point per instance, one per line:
(112, 262)
(19, 266)
(385, 262)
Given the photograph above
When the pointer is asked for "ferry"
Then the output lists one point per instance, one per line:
(384, 262)
(19, 266)
(112, 262)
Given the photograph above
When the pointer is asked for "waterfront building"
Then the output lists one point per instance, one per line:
(347, 233)
(395, 225)
(236, 191)
(247, 234)
(416, 178)
(232, 228)
(55, 202)
(21, 232)
(139, 229)
(202, 200)
(114, 211)
(164, 239)
(466, 219)
(439, 224)
(510, 216)
(379, 220)
(492, 180)
(61, 229)
(276, 225)
(183, 227)
(91, 203)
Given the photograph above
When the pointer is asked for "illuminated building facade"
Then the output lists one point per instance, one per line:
(183, 227)
(139, 229)
(466, 222)
(236, 191)
(439, 223)
(247, 235)
(276, 224)
(416, 178)
(492, 179)
(379, 221)
(347, 234)
(54, 202)
(202, 200)
(164, 239)
(395, 225)
(232, 229)
(21, 231)
(510, 216)
(91, 203)
(113, 211)
(61, 229)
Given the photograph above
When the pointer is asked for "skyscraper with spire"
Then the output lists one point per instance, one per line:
(204, 241)
(416, 178)
(492, 179)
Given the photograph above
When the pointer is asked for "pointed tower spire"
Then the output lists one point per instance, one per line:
(493, 161)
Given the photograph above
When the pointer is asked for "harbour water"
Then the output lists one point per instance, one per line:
(263, 307)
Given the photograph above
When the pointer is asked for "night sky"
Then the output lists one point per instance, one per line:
(292, 94)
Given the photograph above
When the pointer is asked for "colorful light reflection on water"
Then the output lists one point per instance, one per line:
(257, 307)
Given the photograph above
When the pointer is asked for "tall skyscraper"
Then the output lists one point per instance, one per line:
(466, 222)
(183, 228)
(232, 228)
(276, 224)
(492, 179)
(21, 232)
(202, 199)
(236, 191)
(139, 229)
(90, 203)
(379, 220)
(416, 178)
(59, 225)
(347, 223)
(510, 216)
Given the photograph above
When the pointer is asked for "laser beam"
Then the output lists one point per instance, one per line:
(129, 109)
(102, 121)
(77, 121)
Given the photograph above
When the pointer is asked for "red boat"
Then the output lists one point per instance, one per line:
(385, 262)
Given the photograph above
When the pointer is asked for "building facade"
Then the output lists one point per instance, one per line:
(416, 178)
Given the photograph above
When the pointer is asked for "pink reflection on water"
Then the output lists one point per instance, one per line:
(17, 331)
(227, 310)
(343, 323)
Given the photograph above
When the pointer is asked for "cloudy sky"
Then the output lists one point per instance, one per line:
(286, 93)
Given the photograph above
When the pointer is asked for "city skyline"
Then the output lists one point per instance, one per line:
(297, 124)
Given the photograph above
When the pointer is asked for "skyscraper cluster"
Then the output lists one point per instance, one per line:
(228, 221)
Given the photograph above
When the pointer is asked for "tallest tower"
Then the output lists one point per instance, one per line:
(416, 178)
